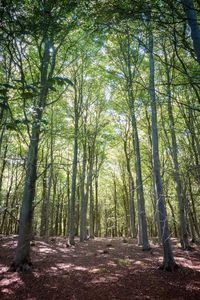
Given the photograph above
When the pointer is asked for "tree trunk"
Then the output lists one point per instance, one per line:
(22, 259)
(142, 223)
(97, 219)
(52, 213)
(173, 216)
(131, 192)
(2, 171)
(6, 204)
(44, 198)
(83, 233)
(91, 213)
(168, 259)
(154, 200)
(74, 175)
(193, 23)
(174, 152)
(115, 206)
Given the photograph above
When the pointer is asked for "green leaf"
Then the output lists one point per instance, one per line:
(52, 88)
(22, 121)
(7, 86)
(27, 95)
(62, 80)
(11, 126)
(3, 91)
(4, 105)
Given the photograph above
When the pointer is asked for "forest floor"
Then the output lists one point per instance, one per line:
(98, 269)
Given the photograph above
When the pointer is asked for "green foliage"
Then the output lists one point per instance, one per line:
(91, 45)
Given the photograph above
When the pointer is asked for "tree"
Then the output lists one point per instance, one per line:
(190, 12)
(168, 259)
(47, 61)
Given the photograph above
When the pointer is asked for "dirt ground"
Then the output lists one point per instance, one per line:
(98, 269)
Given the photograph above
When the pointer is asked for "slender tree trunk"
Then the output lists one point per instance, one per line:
(154, 200)
(96, 197)
(142, 223)
(83, 234)
(52, 213)
(168, 259)
(6, 204)
(91, 228)
(49, 184)
(131, 192)
(2, 172)
(115, 206)
(125, 198)
(173, 216)
(193, 23)
(77, 218)
(61, 214)
(177, 178)
(57, 208)
(68, 201)
(44, 198)
(193, 209)
(91, 212)
(191, 222)
(74, 176)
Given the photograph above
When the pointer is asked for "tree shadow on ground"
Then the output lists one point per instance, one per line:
(87, 272)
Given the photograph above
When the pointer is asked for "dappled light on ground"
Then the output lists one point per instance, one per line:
(98, 269)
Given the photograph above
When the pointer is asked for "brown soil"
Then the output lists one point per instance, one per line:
(98, 269)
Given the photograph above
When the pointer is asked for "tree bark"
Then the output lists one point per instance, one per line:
(131, 192)
(142, 223)
(115, 206)
(168, 259)
(83, 231)
(22, 260)
(73, 188)
(192, 22)
(91, 212)
(174, 153)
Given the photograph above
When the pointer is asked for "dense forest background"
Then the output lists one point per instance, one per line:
(99, 121)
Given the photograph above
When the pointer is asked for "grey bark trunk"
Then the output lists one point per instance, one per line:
(174, 152)
(91, 228)
(115, 206)
(91, 213)
(168, 259)
(83, 231)
(97, 220)
(22, 259)
(192, 22)
(131, 192)
(73, 189)
(142, 223)
(154, 200)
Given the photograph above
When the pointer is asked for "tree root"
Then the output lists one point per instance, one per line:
(25, 267)
(146, 249)
(169, 267)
